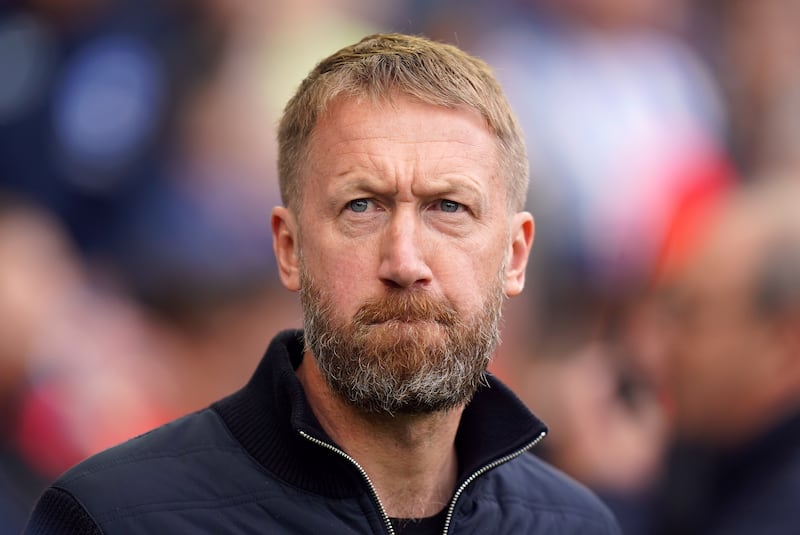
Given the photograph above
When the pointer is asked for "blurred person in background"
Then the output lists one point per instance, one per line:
(403, 175)
(730, 298)
(74, 377)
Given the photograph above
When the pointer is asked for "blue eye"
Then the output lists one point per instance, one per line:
(449, 206)
(358, 205)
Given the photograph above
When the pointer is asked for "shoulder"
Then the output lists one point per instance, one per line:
(191, 436)
(191, 460)
(551, 484)
(544, 497)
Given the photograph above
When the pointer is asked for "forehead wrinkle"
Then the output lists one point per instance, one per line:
(413, 162)
(430, 177)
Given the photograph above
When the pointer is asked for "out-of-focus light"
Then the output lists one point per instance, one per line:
(108, 108)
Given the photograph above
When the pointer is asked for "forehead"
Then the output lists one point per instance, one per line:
(399, 145)
(400, 120)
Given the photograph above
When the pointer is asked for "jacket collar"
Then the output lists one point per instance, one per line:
(267, 414)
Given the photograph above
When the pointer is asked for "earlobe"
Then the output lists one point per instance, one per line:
(522, 231)
(284, 243)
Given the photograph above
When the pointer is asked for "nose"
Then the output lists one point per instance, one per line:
(403, 263)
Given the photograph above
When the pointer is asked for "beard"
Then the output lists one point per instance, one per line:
(405, 352)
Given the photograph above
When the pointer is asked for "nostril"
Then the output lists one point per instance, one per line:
(391, 284)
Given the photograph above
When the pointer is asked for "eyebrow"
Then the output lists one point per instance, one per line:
(426, 188)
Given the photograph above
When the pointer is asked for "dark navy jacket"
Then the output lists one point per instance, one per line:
(748, 490)
(259, 462)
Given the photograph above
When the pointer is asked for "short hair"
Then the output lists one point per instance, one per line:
(382, 65)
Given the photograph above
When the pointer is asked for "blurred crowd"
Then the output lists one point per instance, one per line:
(659, 334)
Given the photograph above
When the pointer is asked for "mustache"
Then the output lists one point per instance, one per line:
(406, 306)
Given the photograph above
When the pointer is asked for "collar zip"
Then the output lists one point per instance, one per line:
(475, 475)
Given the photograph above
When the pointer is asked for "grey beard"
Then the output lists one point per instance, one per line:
(382, 364)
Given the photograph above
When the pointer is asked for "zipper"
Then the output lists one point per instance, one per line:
(384, 516)
(482, 471)
(475, 475)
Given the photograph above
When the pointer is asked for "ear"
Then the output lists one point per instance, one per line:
(284, 243)
(522, 230)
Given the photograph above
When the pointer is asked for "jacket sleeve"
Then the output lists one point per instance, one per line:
(58, 513)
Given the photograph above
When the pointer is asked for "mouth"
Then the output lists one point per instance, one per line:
(401, 320)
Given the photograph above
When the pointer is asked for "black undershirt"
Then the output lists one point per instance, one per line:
(430, 525)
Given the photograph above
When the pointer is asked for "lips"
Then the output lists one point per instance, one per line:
(406, 319)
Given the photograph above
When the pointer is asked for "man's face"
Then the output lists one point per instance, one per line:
(717, 345)
(403, 250)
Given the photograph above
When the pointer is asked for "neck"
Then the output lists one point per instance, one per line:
(410, 459)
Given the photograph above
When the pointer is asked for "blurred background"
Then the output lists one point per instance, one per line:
(137, 174)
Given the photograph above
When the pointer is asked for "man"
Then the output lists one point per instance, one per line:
(403, 174)
(732, 371)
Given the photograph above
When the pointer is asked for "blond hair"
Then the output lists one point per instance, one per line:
(384, 64)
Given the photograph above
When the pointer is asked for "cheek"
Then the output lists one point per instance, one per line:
(468, 276)
(343, 273)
